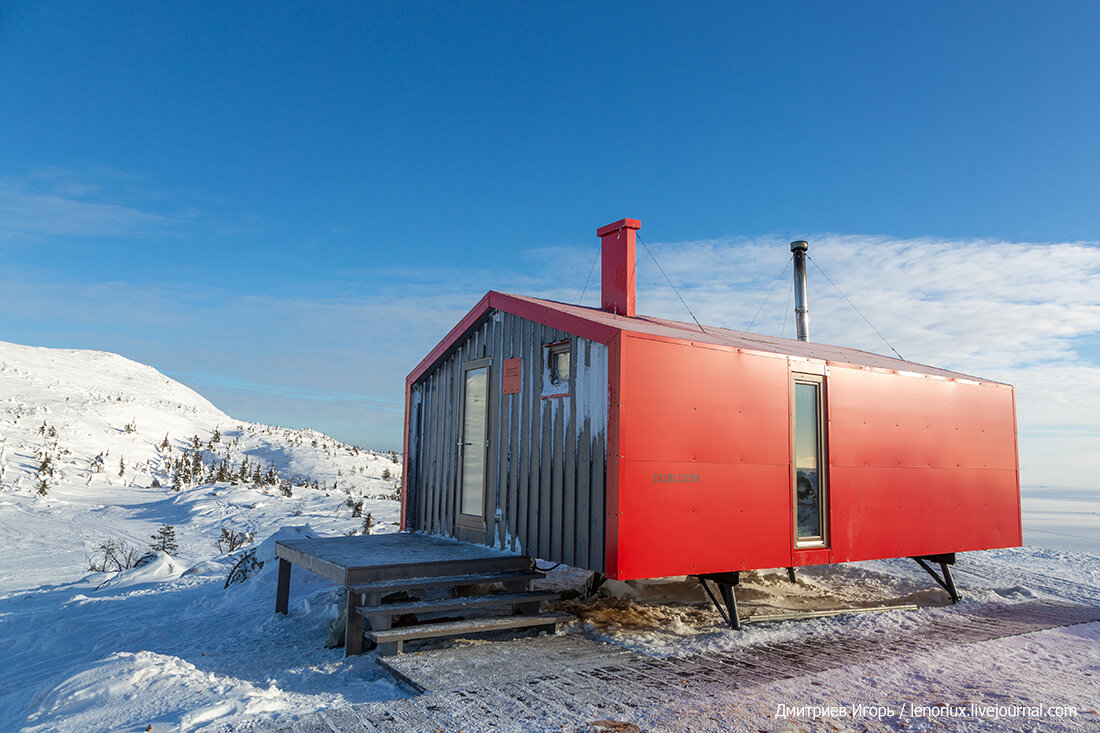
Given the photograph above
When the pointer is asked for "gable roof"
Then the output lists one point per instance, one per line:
(601, 326)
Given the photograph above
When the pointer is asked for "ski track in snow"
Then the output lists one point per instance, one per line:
(165, 645)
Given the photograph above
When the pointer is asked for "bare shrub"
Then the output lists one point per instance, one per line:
(231, 540)
(114, 555)
(244, 567)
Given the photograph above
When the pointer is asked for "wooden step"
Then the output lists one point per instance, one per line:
(471, 626)
(396, 584)
(454, 604)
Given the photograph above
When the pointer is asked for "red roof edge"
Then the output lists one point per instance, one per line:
(537, 312)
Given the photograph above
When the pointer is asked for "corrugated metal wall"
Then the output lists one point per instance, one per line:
(546, 457)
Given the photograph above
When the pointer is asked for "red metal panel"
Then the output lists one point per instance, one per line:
(900, 512)
(614, 462)
(920, 465)
(718, 416)
(704, 403)
(811, 556)
(735, 517)
(890, 419)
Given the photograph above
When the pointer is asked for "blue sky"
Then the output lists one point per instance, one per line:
(285, 206)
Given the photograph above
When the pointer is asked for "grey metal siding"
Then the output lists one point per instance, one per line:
(546, 461)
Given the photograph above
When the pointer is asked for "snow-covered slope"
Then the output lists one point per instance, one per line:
(98, 451)
(95, 447)
(79, 406)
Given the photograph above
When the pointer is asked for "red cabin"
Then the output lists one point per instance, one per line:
(641, 447)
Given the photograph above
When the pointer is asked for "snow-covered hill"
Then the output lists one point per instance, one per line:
(114, 450)
(97, 455)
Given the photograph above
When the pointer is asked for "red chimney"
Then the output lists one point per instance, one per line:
(617, 254)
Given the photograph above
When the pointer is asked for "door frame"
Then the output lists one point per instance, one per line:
(470, 527)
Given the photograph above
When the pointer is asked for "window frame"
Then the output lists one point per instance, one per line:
(564, 387)
(821, 539)
(555, 350)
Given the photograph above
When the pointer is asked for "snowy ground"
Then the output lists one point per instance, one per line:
(164, 644)
(167, 647)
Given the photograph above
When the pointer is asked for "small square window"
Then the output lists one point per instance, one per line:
(558, 355)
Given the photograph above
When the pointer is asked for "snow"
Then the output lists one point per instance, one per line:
(169, 645)
(164, 643)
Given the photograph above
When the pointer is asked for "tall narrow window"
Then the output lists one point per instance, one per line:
(809, 460)
(473, 441)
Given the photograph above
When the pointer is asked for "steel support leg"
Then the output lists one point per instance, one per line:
(946, 582)
(790, 575)
(726, 583)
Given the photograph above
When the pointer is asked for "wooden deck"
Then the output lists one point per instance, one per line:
(364, 558)
(372, 566)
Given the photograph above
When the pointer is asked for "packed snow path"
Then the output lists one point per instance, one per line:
(566, 682)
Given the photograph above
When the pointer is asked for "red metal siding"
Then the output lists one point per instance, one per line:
(612, 500)
(918, 464)
(717, 413)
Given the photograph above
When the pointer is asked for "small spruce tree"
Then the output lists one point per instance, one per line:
(165, 540)
(121, 467)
